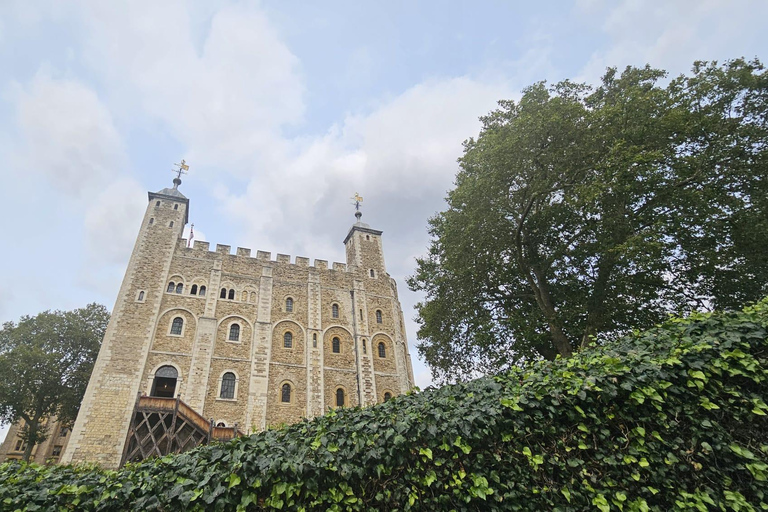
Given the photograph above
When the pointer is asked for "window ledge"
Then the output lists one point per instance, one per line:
(219, 399)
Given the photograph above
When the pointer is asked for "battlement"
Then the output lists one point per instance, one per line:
(204, 248)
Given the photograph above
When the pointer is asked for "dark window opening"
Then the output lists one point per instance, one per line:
(157, 203)
(171, 287)
(373, 274)
(340, 397)
(179, 288)
(164, 384)
(223, 294)
(170, 225)
(152, 221)
(378, 316)
(289, 305)
(285, 394)
(387, 396)
(314, 340)
(176, 207)
(227, 385)
(382, 349)
(335, 311)
(234, 332)
(288, 340)
(202, 291)
(177, 325)
(221, 424)
(231, 295)
(336, 345)
(141, 295)
(193, 290)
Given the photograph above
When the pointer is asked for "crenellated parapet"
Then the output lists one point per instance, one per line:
(203, 249)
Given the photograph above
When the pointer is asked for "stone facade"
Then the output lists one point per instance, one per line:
(47, 452)
(295, 338)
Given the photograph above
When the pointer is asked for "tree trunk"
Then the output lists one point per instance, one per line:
(32, 428)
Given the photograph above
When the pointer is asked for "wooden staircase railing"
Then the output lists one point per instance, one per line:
(160, 426)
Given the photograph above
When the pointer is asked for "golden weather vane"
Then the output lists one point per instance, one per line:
(183, 168)
(357, 200)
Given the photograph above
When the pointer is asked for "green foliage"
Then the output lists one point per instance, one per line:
(673, 418)
(583, 212)
(45, 364)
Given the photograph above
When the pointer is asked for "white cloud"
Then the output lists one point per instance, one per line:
(672, 35)
(67, 135)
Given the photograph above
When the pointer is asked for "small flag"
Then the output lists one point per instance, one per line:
(191, 235)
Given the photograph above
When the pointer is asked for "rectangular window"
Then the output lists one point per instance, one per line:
(56, 451)
(63, 432)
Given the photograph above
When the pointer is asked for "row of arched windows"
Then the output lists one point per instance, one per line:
(166, 378)
(179, 288)
(335, 313)
(227, 294)
(177, 326)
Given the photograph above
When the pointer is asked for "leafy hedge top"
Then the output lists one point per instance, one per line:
(671, 418)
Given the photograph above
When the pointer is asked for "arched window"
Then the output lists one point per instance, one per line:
(202, 291)
(171, 224)
(151, 221)
(179, 288)
(177, 325)
(289, 305)
(339, 397)
(378, 316)
(223, 294)
(288, 339)
(221, 424)
(164, 383)
(365, 347)
(335, 311)
(175, 206)
(336, 345)
(157, 204)
(234, 332)
(285, 393)
(231, 295)
(314, 340)
(382, 349)
(373, 273)
(171, 287)
(141, 295)
(367, 237)
(387, 396)
(227, 385)
(193, 290)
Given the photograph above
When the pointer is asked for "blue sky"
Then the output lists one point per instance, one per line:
(283, 110)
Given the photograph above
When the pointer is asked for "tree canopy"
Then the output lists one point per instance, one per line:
(45, 364)
(581, 212)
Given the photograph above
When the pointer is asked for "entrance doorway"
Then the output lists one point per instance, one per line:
(164, 384)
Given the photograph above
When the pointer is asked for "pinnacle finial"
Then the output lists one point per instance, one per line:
(183, 168)
(357, 200)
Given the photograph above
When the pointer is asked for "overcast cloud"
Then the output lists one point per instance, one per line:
(283, 112)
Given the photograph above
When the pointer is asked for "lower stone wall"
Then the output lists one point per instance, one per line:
(279, 412)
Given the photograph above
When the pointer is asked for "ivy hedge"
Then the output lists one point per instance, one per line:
(673, 418)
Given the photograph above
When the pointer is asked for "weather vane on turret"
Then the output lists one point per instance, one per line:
(183, 168)
(357, 200)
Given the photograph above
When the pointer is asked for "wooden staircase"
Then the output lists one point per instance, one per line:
(160, 426)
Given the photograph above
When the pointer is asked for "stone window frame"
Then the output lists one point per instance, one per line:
(151, 376)
(229, 288)
(183, 326)
(289, 307)
(335, 310)
(381, 346)
(176, 280)
(221, 381)
(333, 346)
(336, 396)
(379, 316)
(292, 340)
(141, 296)
(372, 273)
(228, 332)
(280, 393)
(384, 395)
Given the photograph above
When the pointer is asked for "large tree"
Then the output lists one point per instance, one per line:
(45, 363)
(579, 213)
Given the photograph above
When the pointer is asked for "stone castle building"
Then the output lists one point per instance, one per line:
(241, 340)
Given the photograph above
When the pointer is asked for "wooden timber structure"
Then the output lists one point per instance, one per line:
(160, 426)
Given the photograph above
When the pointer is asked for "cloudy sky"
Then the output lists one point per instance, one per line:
(283, 110)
